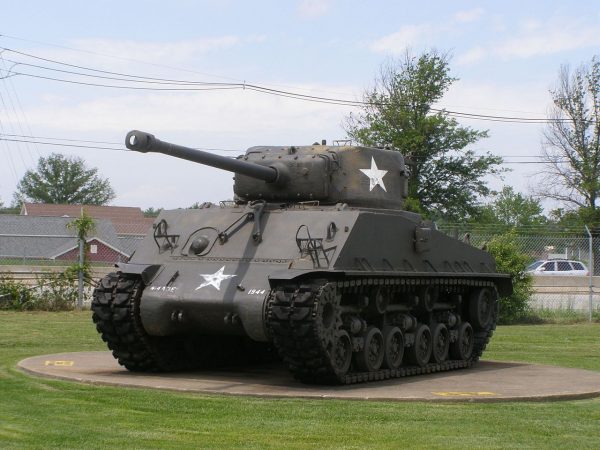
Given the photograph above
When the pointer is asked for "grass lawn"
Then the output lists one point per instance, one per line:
(40, 413)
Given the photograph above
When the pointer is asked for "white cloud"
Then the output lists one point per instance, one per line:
(494, 98)
(207, 111)
(471, 15)
(157, 51)
(531, 25)
(471, 56)
(544, 39)
(311, 9)
(536, 38)
(407, 36)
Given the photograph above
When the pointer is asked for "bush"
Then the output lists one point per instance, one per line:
(512, 260)
(54, 292)
(15, 295)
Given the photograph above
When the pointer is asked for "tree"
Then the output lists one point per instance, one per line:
(446, 178)
(64, 180)
(511, 209)
(84, 225)
(571, 141)
(152, 212)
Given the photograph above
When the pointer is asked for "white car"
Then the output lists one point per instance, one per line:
(557, 267)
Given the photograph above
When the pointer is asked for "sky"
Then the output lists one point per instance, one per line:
(506, 56)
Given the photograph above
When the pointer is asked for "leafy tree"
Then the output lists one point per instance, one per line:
(511, 209)
(83, 225)
(512, 260)
(152, 212)
(8, 209)
(445, 178)
(571, 142)
(12, 209)
(64, 180)
(574, 220)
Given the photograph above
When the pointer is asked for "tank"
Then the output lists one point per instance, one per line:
(315, 262)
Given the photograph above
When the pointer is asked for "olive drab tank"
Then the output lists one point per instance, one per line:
(315, 262)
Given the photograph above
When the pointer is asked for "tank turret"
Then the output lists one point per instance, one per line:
(357, 176)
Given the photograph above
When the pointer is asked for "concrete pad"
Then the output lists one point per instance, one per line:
(488, 381)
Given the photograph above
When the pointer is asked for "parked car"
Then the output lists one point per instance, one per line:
(557, 267)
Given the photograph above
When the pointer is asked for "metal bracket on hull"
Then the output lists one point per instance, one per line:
(313, 247)
(160, 232)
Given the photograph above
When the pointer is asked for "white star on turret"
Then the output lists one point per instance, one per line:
(375, 176)
(214, 279)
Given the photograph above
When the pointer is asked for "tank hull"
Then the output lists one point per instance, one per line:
(332, 288)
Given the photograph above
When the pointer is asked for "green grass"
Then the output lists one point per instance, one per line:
(41, 413)
(559, 345)
(562, 315)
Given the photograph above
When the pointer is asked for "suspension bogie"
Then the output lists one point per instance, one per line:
(386, 330)
(382, 322)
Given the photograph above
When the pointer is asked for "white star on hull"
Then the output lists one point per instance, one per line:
(375, 176)
(214, 279)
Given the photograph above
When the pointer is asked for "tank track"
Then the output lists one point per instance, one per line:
(293, 323)
(115, 307)
(116, 313)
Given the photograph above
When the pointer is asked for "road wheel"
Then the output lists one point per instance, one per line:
(342, 353)
(441, 343)
(482, 302)
(420, 352)
(371, 356)
(462, 348)
(394, 347)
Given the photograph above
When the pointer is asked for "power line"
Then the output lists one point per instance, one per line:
(187, 85)
(165, 66)
(142, 88)
(80, 143)
(62, 63)
(5, 107)
(203, 86)
(21, 109)
(57, 144)
(89, 52)
(59, 139)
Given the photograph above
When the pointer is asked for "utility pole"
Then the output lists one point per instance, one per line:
(80, 272)
(591, 270)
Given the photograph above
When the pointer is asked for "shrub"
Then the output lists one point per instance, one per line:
(512, 260)
(14, 295)
(56, 292)
(53, 292)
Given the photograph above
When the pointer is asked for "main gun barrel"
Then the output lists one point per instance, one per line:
(146, 142)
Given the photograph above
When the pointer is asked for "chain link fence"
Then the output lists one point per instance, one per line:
(561, 288)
